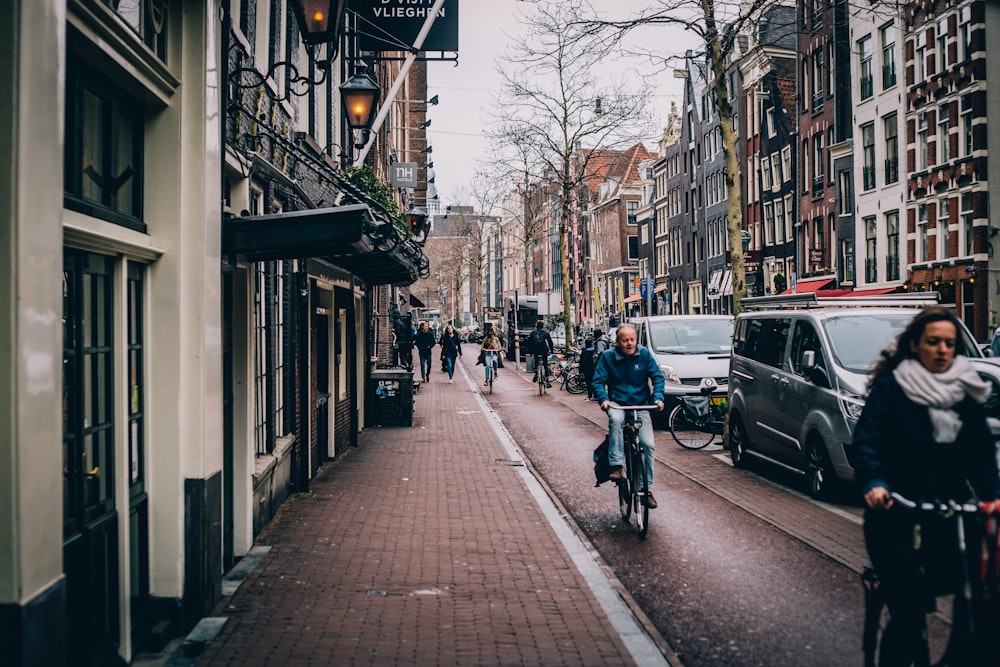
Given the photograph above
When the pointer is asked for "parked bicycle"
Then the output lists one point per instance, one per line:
(696, 420)
(633, 487)
(567, 372)
(963, 644)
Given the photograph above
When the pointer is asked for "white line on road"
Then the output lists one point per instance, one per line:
(638, 642)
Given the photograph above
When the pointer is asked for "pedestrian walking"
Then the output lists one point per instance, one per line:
(424, 341)
(587, 366)
(451, 349)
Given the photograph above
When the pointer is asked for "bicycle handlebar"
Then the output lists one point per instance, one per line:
(634, 407)
(936, 505)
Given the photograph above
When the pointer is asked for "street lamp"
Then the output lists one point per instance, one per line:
(318, 19)
(360, 95)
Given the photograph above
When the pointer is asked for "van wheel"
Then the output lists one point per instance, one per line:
(738, 443)
(819, 473)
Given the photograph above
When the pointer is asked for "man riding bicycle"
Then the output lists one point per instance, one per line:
(622, 376)
(540, 345)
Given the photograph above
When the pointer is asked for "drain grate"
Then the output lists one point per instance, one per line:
(377, 594)
(509, 462)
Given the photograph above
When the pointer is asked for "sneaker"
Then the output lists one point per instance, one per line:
(651, 501)
(617, 474)
(451, 380)
(548, 385)
(486, 383)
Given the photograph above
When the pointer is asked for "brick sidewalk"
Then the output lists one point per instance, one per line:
(423, 546)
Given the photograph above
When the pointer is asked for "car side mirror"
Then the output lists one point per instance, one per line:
(814, 373)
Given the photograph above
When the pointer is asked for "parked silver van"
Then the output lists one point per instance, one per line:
(688, 348)
(797, 384)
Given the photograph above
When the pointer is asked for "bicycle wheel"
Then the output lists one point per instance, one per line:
(687, 435)
(624, 499)
(638, 484)
(577, 384)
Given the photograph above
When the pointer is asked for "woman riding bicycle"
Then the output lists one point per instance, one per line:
(491, 349)
(922, 434)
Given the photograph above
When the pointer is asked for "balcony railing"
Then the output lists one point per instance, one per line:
(868, 178)
(892, 267)
(891, 170)
(889, 75)
(867, 87)
(817, 187)
(817, 102)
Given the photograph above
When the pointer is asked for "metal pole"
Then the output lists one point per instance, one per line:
(398, 83)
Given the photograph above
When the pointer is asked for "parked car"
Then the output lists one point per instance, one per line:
(688, 348)
(798, 381)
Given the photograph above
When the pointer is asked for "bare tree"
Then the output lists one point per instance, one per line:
(546, 108)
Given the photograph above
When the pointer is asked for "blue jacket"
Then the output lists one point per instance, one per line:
(627, 378)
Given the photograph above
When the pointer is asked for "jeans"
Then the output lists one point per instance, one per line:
(543, 360)
(616, 445)
(449, 365)
(491, 362)
(425, 363)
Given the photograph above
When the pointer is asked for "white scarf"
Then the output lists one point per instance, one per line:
(941, 391)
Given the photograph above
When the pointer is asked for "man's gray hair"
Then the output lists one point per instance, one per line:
(630, 327)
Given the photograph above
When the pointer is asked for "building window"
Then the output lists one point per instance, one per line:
(964, 33)
(779, 221)
(631, 207)
(787, 234)
(922, 140)
(921, 233)
(848, 259)
(891, 132)
(966, 122)
(146, 19)
(944, 146)
(819, 159)
(769, 224)
(868, 156)
(871, 253)
(269, 354)
(786, 162)
(765, 174)
(967, 217)
(920, 58)
(846, 193)
(633, 247)
(865, 67)
(944, 208)
(892, 245)
(817, 79)
(942, 45)
(888, 36)
(771, 127)
(103, 163)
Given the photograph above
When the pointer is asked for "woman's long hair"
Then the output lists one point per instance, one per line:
(902, 349)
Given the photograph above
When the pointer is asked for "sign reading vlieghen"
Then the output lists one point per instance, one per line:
(393, 25)
(403, 175)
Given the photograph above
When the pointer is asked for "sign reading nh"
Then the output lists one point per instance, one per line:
(403, 175)
(392, 25)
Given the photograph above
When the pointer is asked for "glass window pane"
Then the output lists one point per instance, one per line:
(92, 140)
(124, 187)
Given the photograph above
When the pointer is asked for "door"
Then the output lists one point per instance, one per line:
(90, 523)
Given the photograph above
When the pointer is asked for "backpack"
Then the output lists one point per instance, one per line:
(602, 465)
(600, 345)
(536, 341)
(587, 361)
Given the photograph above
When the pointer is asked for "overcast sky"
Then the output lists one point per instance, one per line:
(467, 90)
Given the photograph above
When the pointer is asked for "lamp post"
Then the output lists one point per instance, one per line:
(360, 95)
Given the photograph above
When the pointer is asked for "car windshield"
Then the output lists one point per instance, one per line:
(692, 336)
(857, 340)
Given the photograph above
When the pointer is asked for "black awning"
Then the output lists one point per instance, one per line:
(416, 303)
(345, 236)
(311, 233)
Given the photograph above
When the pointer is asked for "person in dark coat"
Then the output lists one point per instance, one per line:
(922, 434)
(451, 348)
(424, 341)
(587, 366)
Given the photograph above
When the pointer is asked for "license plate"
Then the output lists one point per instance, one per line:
(717, 400)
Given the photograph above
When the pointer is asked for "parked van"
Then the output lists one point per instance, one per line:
(797, 384)
(688, 348)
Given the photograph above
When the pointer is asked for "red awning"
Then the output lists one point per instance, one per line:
(871, 292)
(633, 298)
(803, 286)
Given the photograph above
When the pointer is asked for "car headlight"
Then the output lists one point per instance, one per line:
(852, 406)
(670, 374)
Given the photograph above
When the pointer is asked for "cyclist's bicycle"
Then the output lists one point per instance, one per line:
(962, 641)
(633, 488)
(540, 379)
(491, 367)
(696, 420)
